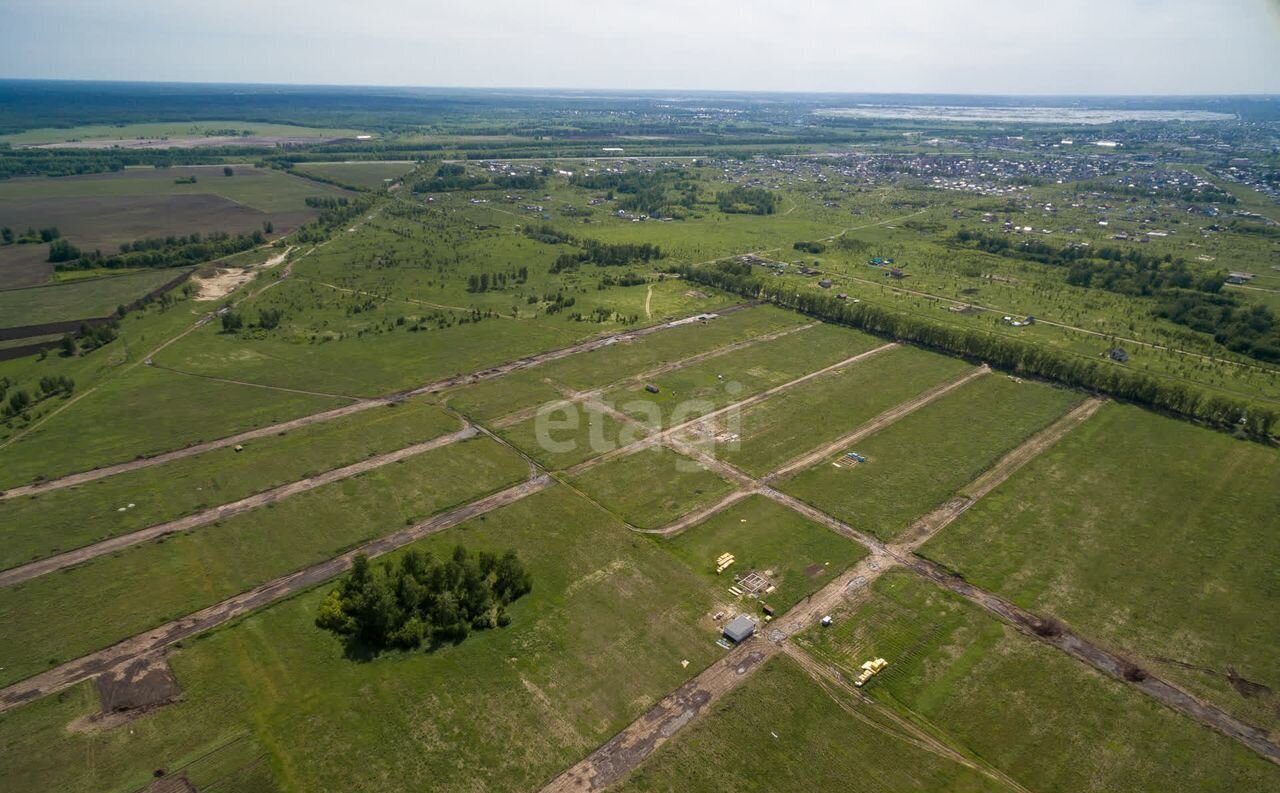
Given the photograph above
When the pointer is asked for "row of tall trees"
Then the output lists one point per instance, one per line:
(419, 599)
(1014, 355)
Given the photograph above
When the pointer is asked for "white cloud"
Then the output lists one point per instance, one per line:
(997, 46)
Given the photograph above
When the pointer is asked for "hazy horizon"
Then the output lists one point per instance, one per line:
(1089, 48)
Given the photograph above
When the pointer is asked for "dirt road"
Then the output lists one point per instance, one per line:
(26, 572)
(346, 410)
(627, 749)
(525, 414)
(919, 532)
(81, 669)
(873, 426)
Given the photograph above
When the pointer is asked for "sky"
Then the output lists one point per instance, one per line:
(920, 46)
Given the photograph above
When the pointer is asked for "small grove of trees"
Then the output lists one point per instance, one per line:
(48, 234)
(810, 247)
(20, 400)
(603, 254)
(748, 201)
(61, 250)
(419, 600)
(483, 282)
(89, 337)
(231, 322)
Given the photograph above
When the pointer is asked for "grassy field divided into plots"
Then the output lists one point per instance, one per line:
(800, 555)
(690, 391)
(781, 726)
(921, 460)
(652, 487)
(822, 410)
(580, 660)
(165, 410)
(1047, 721)
(1152, 536)
(43, 524)
(146, 585)
(496, 398)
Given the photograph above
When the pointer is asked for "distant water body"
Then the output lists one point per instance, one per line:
(1020, 115)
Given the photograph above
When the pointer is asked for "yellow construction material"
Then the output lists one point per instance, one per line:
(869, 670)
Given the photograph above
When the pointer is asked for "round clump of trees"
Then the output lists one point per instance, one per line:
(418, 600)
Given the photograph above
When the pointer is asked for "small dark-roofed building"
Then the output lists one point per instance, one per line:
(1119, 354)
(1239, 278)
(740, 628)
(824, 283)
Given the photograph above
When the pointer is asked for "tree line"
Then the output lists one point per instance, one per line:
(419, 599)
(604, 254)
(483, 282)
(1015, 355)
(156, 252)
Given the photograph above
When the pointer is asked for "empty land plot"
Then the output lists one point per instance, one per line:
(22, 266)
(78, 299)
(176, 132)
(652, 487)
(105, 222)
(43, 524)
(599, 640)
(149, 584)
(368, 175)
(624, 358)
(689, 391)
(263, 189)
(146, 411)
(927, 456)
(1047, 721)
(570, 437)
(1152, 536)
(798, 555)
(781, 726)
(320, 346)
(820, 411)
(599, 367)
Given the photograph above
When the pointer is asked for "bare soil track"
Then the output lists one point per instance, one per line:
(89, 666)
(430, 388)
(26, 572)
(624, 752)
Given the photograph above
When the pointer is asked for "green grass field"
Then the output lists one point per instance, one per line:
(818, 746)
(145, 411)
(1049, 722)
(652, 487)
(800, 555)
(496, 398)
(925, 457)
(372, 175)
(77, 299)
(1151, 536)
(782, 428)
(265, 190)
(578, 662)
(90, 133)
(41, 525)
(690, 391)
(149, 584)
